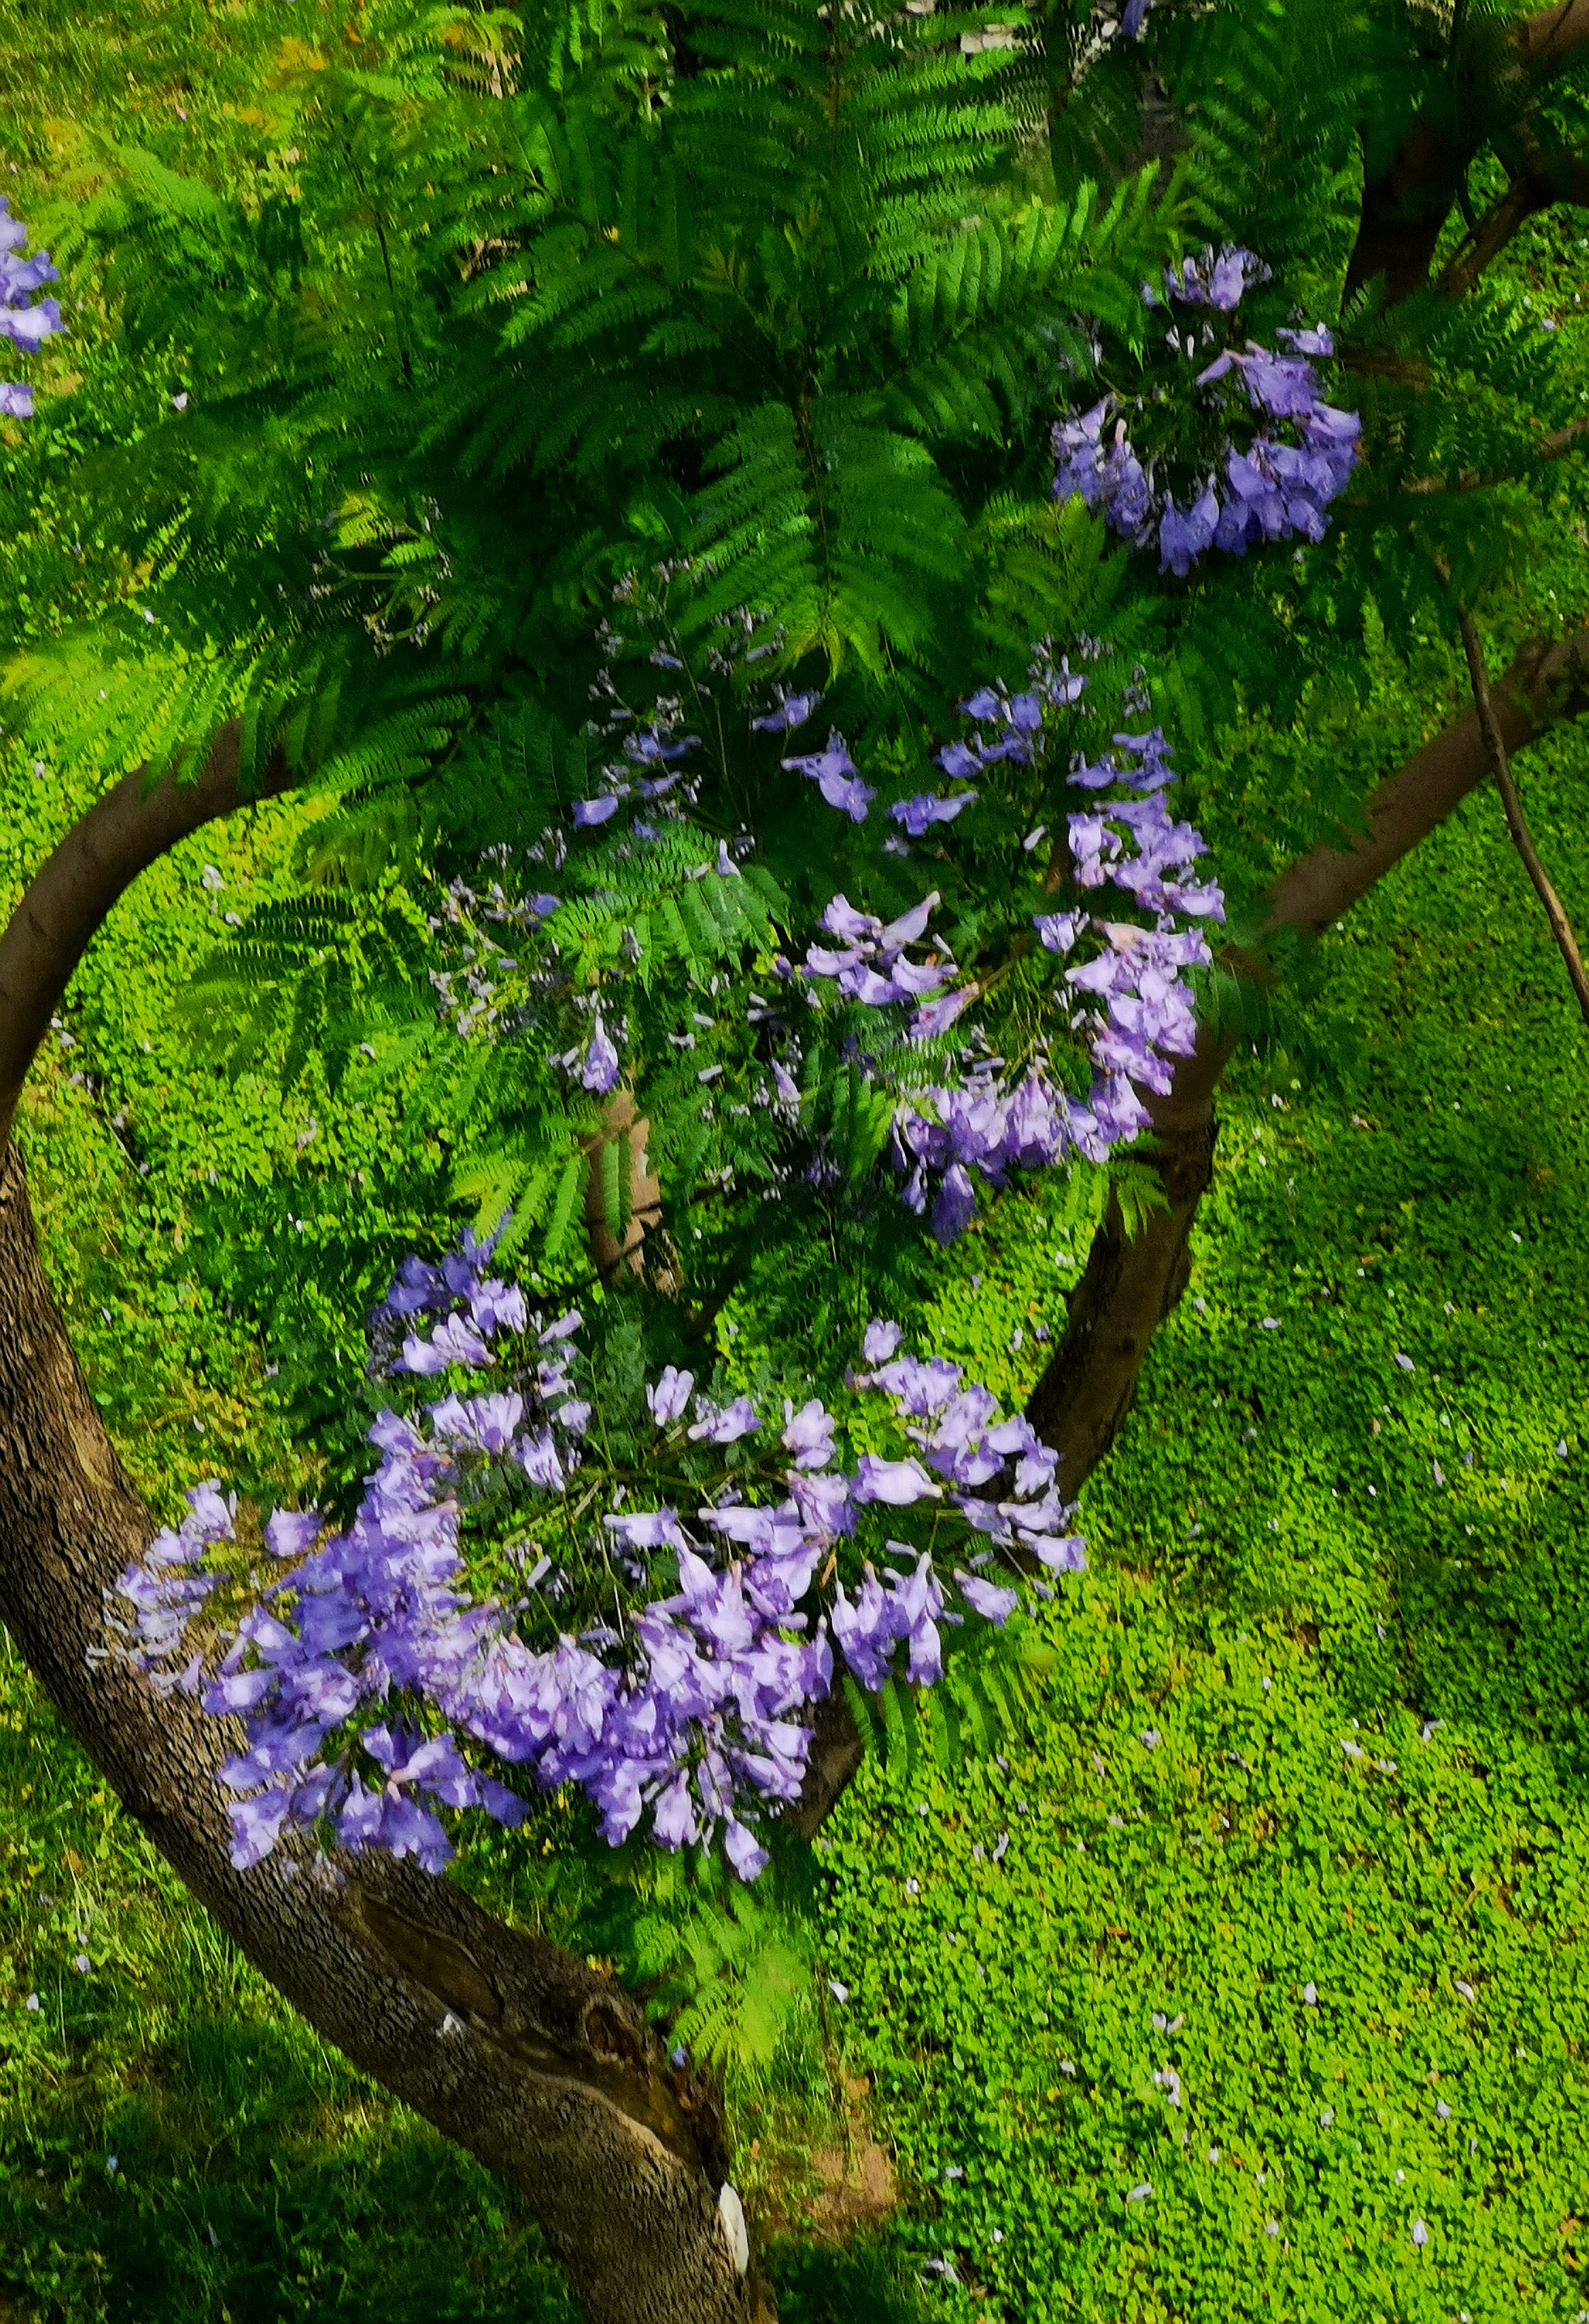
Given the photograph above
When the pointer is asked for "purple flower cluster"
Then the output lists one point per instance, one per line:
(368, 1670)
(647, 772)
(1268, 489)
(1124, 994)
(24, 320)
(868, 964)
(965, 1442)
(171, 1586)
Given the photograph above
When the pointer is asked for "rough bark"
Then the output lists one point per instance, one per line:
(543, 2069)
(1130, 1285)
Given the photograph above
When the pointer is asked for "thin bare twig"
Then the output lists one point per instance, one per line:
(1561, 928)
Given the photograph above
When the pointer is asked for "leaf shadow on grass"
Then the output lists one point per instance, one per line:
(237, 2167)
(863, 2284)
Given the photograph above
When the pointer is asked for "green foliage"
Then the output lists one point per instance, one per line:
(729, 1971)
(992, 1687)
(863, 2285)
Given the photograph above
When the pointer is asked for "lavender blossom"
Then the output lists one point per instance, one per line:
(833, 771)
(26, 321)
(792, 710)
(918, 814)
(1269, 490)
(370, 1681)
(668, 1397)
(589, 811)
(807, 1434)
(601, 1068)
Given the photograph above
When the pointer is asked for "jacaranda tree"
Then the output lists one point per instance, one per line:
(747, 517)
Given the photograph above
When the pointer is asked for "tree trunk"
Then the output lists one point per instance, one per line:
(543, 2069)
(1404, 208)
(1130, 1283)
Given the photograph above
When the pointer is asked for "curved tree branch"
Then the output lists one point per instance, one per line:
(1539, 186)
(1405, 206)
(1561, 928)
(1130, 1285)
(543, 2069)
(1130, 1281)
(1549, 39)
(122, 835)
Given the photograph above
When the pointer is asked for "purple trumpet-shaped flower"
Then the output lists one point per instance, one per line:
(601, 809)
(956, 1206)
(455, 1342)
(724, 1427)
(601, 1068)
(669, 1396)
(648, 1529)
(652, 748)
(1183, 539)
(792, 710)
(807, 1434)
(743, 1849)
(833, 771)
(919, 815)
(994, 1604)
(897, 1483)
